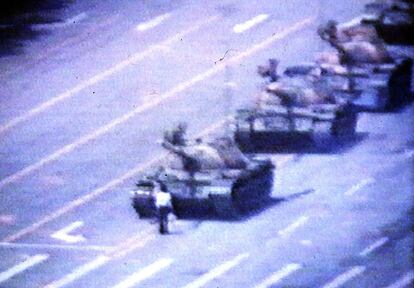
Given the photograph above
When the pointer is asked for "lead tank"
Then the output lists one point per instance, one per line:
(207, 178)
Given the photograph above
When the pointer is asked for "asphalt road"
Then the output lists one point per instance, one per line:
(84, 103)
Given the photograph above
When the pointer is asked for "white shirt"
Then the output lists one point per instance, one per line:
(162, 199)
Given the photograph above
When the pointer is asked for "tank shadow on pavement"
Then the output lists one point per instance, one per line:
(17, 19)
(322, 143)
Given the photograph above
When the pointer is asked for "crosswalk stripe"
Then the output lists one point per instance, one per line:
(405, 281)
(80, 271)
(145, 273)
(216, 272)
(34, 260)
(279, 275)
(345, 277)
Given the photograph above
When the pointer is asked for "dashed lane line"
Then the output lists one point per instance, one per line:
(216, 272)
(174, 92)
(409, 154)
(7, 219)
(82, 200)
(95, 193)
(377, 244)
(30, 61)
(359, 186)
(292, 227)
(80, 271)
(54, 246)
(103, 75)
(74, 20)
(405, 281)
(345, 277)
(100, 131)
(153, 22)
(31, 261)
(242, 27)
(120, 251)
(138, 169)
(145, 273)
(279, 275)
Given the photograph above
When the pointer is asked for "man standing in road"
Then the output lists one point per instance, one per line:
(163, 205)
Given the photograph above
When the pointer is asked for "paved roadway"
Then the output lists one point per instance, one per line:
(85, 102)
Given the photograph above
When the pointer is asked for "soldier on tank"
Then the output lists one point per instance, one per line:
(177, 135)
(269, 70)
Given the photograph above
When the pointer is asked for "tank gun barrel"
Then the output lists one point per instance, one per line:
(190, 163)
(328, 116)
(172, 148)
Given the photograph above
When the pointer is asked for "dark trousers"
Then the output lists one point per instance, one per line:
(163, 212)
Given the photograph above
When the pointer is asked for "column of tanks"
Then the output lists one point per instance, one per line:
(365, 72)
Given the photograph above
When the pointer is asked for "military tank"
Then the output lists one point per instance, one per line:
(370, 66)
(369, 87)
(292, 109)
(393, 20)
(213, 178)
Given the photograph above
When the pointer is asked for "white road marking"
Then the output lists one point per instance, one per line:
(84, 199)
(216, 272)
(138, 169)
(345, 277)
(175, 91)
(405, 281)
(377, 244)
(231, 84)
(7, 219)
(103, 129)
(34, 59)
(145, 273)
(80, 271)
(153, 23)
(53, 246)
(360, 185)
(165, 49)
(34, 260)
(77, 18)
(120, 251)
(95, 193)
(282, 160)
(306, 242)
(292, 227)
(409, 154)
(63, 234)
(279, 275)
(133, 59)
(66, 23)
(240, 28)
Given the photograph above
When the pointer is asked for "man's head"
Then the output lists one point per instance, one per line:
(273, 63)
(329, 30)
(182, 127)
